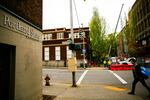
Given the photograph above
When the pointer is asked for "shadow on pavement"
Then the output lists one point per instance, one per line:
(49, 97)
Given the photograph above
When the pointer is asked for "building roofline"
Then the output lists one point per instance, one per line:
(63, 29)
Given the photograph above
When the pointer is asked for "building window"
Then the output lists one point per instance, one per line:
(60, 35)
(69, 53)
(45, 37)
(57, 53)
(46, 53)
(49, 36)
(69, 35)
(76, 35)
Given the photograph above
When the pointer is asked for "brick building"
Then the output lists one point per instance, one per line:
(122, 44)
(55, 46)
(139, 21)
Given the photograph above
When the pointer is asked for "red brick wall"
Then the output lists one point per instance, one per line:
(63, 53)
(52, 53)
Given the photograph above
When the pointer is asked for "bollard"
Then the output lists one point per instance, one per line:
(47, 78)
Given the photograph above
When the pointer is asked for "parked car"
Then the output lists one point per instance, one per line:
(114, 60)
(124, 62)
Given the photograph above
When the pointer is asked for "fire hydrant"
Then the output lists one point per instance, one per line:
(47, 78)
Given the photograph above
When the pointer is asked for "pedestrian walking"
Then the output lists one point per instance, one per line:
(109, 62)
(104, 62)
(138, 77)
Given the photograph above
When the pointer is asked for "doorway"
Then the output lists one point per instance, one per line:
(7, 71)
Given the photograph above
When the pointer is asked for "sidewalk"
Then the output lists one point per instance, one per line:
(87, 92)
(97, 68)
(79, 68)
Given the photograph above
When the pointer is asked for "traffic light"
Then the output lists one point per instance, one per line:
(75, 47)
(71, 46)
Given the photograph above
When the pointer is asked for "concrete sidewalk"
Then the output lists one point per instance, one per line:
(88, 92)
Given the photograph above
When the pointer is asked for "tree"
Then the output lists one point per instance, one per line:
(111, 41)
(98, 35)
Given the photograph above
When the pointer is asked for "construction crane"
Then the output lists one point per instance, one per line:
(110, 47)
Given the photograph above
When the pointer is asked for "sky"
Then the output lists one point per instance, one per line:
(56, 13)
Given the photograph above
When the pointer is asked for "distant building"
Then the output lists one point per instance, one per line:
(122, 49)
(139, 21)
(55, 46)
(20, 49)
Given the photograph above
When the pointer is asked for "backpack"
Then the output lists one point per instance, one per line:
(145, 72)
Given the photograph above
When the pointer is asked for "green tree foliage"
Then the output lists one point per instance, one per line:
(98, 35)
(111, 40)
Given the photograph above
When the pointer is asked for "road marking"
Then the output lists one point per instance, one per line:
(81, 78)
(119, 78)
(115, 88)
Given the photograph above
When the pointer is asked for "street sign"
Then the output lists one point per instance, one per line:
(72, 64)
(84, 51)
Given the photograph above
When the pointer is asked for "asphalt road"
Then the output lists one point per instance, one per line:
(97, 77)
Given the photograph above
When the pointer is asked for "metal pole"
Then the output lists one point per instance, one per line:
(71, 22)
(83, 51)
(74, 80)
(72, 38)
(83, 47)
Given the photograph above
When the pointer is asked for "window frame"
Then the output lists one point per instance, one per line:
(57, 53)
(46, 54)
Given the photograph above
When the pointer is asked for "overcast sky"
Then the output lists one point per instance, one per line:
(56, 13)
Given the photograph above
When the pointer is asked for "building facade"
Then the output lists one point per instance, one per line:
(122, 43)
(139, 21)
(20, 49)
(55, 46)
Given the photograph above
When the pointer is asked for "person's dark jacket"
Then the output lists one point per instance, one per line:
(137, 73)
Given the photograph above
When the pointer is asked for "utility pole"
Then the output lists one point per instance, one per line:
(72, 38)
(83, 50)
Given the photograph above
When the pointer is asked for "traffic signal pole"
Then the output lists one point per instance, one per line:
(83, 35)
(83, 51)
(72, 38)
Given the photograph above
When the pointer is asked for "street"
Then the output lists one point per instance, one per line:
(110, 80)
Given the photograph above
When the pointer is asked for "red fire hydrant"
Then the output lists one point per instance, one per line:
(47, 78)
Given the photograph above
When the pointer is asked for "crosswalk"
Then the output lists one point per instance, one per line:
(84, 73)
